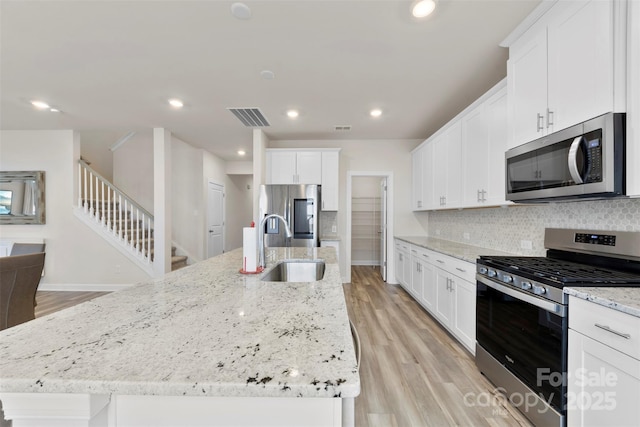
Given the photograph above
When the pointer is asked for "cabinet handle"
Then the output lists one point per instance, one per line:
(440, 261)
(484, 195)
(425, 255)
(447, 283)
(461, 269)
(478, 198)
(608, 329)
(549, 118)
(540, 123)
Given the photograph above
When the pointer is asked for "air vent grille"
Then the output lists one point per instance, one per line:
(250, 117)
(342, 128)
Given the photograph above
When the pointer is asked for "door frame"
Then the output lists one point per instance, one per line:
(207, 216)
(347, 256)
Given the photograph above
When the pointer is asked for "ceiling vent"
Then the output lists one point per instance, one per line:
(250, 117)
(342, 128)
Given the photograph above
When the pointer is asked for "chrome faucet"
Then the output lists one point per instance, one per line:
(261, 262)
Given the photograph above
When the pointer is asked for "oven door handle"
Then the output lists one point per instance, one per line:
(549, 306)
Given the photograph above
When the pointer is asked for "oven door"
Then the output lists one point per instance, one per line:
(527, 335)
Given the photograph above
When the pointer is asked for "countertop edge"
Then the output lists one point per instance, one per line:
(625, 300)
(462, 251)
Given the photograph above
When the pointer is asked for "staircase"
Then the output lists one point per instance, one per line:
(123, 222)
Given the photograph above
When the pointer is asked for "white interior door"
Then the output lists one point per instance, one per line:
(383, 229)
(215, 219)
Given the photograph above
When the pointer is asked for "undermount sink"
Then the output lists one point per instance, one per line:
(296, 271)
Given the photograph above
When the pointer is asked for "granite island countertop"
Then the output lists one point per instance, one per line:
(461, 251)
(626, 300)
(204, 330)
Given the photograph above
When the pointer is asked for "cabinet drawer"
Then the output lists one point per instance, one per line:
(618, 330)
(455, 266)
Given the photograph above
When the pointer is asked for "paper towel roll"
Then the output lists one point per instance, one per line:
(249, 249)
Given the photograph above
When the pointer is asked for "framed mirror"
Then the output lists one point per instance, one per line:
(22, 197)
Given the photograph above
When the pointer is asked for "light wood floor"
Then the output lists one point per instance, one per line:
(412, 372)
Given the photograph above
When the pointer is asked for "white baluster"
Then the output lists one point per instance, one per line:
(91, 202)
(108, 207)
(102, 205)
(79, 185)
(119, 230)
(84, 191)
(138, 242)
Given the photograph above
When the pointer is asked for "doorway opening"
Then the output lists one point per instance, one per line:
(369, 221)
(215, 218)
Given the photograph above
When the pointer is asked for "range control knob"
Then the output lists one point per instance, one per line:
(526, 285)
(539, 290)
(491, 273)
(483, 270)
(507, 279)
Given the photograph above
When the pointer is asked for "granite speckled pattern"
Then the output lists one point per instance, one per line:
(204, 330)
(626, 300)
(464, 252)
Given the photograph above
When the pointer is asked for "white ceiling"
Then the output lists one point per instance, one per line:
(112, 65)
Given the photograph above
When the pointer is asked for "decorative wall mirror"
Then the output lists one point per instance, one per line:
(22, 197)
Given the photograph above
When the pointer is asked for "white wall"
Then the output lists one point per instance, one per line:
(133, 169)
(239, 208)
(94, 148)
(75, 254)
(187, 206)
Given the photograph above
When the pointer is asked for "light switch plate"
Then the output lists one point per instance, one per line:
(334, 229)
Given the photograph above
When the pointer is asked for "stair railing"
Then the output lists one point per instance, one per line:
(116, 212)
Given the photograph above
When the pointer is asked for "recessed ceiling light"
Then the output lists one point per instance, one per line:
(40, 105)
(54, 110)
(176, 103)
(376, 112)
(267, 74)
(292, 114)
(241, 153)
(423, 8)
(241, 11)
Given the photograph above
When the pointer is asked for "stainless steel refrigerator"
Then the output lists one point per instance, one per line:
(299, 205)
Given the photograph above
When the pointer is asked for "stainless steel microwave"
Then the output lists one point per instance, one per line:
(583, 161)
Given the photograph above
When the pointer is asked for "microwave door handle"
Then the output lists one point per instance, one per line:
(573, 160)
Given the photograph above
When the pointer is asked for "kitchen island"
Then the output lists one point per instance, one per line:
(204, 345)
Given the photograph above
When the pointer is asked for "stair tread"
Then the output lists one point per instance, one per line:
(178, 258)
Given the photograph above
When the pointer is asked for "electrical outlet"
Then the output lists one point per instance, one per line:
(466, 236)
(334, 229)
(526, 244)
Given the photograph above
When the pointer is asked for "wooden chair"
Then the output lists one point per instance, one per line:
(19, 279)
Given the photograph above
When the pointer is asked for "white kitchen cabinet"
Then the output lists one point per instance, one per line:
(294, 167)
(633, 100)
(464, 321)
(417, 275)
(330, 180)
(403, 264)
(444, 297)
(561, 71)
(447, 159)
(603, 366)
(423, 283)
(484, 142)
(417, 178)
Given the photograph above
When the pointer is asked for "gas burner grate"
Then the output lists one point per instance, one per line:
(562, 271)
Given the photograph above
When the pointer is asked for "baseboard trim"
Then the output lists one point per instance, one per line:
(83, 287)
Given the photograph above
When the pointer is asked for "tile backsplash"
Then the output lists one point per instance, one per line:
(506, 228)
(328, 220)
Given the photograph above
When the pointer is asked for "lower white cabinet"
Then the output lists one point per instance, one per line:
(443, 285)
(603, 366)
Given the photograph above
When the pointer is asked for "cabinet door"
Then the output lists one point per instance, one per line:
(428, 297)
(444, 306)
(330, 180)
(453, 137)
(475, 140)
(603, 384)
(580, 55)
(281, 167)
(464, 325)
(406, 274)
(428, 177)
(416, 276)
(399, 266)
(527, 82)
(309, 167)
(417, 169)
(496, 115)
(439, 176)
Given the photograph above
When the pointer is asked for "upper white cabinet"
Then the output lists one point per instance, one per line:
(447, 177)
(484, 141)
(330, 180)
(294, 167)
(462, 165)
(565, 69)
(320, 166)
(633, 100)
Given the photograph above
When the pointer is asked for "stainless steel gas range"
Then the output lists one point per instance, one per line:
(522, 313)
